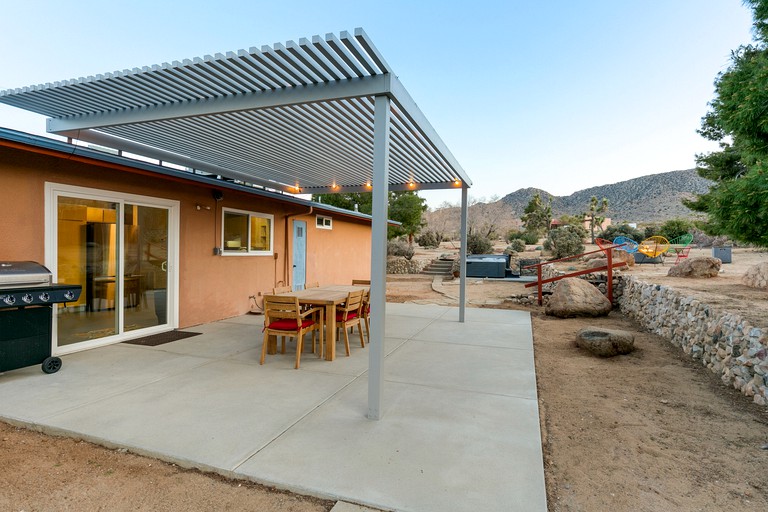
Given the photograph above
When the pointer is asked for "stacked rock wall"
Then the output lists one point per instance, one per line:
(723, 342)
(398, 265)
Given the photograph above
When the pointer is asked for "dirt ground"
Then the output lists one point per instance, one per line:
(649, 431)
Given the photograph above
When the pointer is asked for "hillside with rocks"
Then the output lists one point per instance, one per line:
(646, 200)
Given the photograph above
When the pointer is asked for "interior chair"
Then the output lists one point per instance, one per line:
(348, 316)
(283, 317)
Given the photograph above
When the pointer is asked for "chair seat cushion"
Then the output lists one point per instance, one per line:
(350, 316)
(289, 324)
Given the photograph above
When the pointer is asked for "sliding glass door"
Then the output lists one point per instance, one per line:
(118, 250)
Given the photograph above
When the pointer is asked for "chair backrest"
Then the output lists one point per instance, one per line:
(281, 306)
(354, 303)
(682, 240)
(626, 243)
(603, 243)
(281, 289)
(363, 282)
(653, 246)
(313, 284)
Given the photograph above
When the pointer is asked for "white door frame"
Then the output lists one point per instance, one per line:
(52, 193)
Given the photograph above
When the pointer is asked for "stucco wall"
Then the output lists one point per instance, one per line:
(210, 287)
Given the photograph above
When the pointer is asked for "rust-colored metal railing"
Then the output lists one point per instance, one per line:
(609, 268)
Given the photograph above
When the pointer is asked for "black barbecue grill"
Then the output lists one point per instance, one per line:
(27, 295)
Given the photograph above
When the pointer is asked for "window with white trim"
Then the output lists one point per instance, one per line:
(323, 222)
(247, 233)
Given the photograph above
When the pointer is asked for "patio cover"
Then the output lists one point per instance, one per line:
(322, 116)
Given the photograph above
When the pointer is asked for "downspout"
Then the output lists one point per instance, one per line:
(285, 243)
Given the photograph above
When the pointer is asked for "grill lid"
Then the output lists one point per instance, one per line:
(16, 274)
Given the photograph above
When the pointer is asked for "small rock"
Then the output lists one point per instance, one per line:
(605, 342)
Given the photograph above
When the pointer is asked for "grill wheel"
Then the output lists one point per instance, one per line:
(51, 364)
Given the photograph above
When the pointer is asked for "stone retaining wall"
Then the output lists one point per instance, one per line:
(723, 342)
(398, 265)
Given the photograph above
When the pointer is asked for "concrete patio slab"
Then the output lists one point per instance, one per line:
(434, 450)
(460, 425)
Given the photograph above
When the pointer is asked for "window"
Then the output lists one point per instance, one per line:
(324, 222)
(247, 233)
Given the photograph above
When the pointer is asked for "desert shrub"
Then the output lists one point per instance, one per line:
(530, 238)
(512, 234)
(675, 228)
(478, 244)
(400, 247)
(429, 239)
(516, 245)
(565, 241)
(615, 230)
(651, 230)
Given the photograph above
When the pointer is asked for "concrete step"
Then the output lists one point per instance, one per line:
(438, 267)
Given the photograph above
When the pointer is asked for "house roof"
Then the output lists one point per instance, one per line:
(294, 117)
(37, 143)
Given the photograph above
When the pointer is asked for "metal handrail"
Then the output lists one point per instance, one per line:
(609, 268)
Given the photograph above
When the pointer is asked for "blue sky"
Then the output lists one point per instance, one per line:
(558, 95)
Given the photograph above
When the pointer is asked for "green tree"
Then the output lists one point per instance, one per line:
(594, 214)
(626, 230)
(363, 200)
(737, 204)
(537, 216)
(404, 207)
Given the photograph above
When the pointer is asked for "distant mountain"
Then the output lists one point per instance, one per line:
(652, 198)
(649, 199)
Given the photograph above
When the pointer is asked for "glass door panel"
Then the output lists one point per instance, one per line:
(88, 248)
(145, 280)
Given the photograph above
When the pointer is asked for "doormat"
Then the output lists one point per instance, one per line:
(161, 338)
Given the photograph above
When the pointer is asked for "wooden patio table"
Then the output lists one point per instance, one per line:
(328, 297)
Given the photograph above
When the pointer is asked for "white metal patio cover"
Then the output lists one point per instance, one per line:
(321, 116)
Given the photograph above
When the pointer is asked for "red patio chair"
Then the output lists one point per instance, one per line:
(682, 254)
(348, 316)
(283, 317)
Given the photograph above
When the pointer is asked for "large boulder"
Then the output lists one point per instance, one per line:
(756, 276)
(605, 342)
(575, 297)
(696, 267)
(598, 259)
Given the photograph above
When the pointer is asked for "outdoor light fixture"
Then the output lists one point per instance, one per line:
(202, 207)
(367, 184)
(411, 184)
